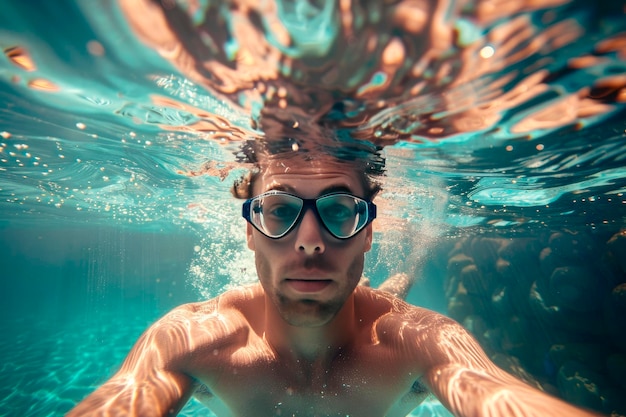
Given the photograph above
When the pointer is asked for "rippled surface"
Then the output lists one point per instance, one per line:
(495, 116)
(507, 113)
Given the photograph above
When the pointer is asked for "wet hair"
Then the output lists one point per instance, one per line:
(362, 156)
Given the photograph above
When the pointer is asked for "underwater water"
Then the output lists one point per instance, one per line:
(123, 125)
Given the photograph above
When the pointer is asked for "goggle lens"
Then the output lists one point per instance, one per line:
(275, 214)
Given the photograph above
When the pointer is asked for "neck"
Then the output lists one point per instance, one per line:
(318, 344)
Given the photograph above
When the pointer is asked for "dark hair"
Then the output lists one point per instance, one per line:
(363, 156)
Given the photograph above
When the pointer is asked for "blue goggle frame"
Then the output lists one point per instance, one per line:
(276, 213)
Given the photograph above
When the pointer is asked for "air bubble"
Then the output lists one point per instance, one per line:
(487, 52)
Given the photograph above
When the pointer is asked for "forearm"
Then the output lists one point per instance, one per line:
(119, 397)
(471, 393)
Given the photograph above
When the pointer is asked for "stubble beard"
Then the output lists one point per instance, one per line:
(304, 312)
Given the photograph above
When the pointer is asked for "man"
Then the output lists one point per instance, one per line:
(308, 340)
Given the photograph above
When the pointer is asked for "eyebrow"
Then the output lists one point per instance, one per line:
(328, 190)
(336, 189)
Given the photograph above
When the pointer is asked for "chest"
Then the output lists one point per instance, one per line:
(361, 385)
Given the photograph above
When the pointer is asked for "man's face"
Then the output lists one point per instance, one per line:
(308, 274)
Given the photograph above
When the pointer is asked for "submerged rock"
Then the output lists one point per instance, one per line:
(572, 247)
(591, 354)
(580, 385)
(616, 250)
(457, 262)
(576, 288)
(484, 251)
(475, 281)
(459, 307)
(615, 316)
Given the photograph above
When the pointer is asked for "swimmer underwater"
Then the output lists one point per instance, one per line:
(308, 340)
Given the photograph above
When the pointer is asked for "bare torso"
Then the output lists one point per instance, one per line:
(244, 375)
(224, 352)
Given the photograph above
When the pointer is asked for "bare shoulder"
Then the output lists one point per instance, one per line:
(230, 302)
(418, 329)
(192, 328)
(389, 308)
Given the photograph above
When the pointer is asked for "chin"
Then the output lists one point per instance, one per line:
(308, 313)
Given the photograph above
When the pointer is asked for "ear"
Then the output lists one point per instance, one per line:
(249, 237)
(368, 237)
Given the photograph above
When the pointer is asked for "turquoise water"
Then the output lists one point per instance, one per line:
(504, 135)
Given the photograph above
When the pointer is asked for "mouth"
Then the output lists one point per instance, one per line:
(308, 285)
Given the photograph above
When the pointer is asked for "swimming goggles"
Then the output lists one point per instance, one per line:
(276, 213)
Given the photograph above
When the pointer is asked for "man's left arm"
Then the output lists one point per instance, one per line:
(468, 383)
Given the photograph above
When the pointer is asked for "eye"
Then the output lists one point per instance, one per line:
(337, 212)
(282, 211)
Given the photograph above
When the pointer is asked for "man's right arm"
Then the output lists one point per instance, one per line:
(148, 382)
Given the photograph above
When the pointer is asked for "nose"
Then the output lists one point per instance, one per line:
(309, 235)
